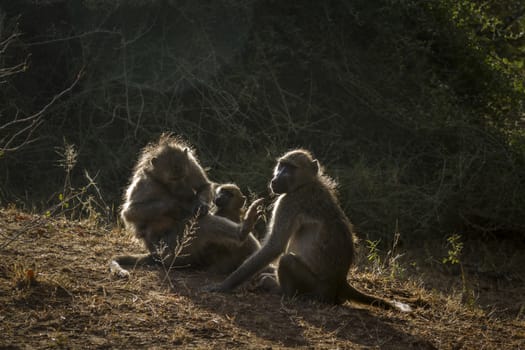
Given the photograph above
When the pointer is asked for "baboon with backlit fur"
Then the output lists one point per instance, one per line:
(168, 185)
(230, 202)
(169, 190)
(311, 236)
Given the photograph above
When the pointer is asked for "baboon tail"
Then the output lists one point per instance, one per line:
(129, 260)
(135, 260)
(350, 293)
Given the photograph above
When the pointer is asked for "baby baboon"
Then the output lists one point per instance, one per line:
(230, 204)
(167, 188)
(229, 201)
(311, 234)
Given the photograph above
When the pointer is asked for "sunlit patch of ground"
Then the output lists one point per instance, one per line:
(55, 291)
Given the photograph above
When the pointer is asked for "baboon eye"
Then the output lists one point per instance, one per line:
(225, 194)
(288, 166)
(285, 169)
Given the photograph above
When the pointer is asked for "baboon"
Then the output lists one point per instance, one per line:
(311, 234)
(230, 202)
(167, 190)
(168, 185)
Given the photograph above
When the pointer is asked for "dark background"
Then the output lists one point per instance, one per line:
(415, 107)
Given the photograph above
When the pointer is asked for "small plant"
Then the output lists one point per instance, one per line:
(84, 202)
(454, 258)
(169, 253)
(390, 262)
(373, 253)
(454, 253)
(392, 256)
(68, 159)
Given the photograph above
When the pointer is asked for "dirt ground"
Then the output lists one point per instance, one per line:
(56, 292)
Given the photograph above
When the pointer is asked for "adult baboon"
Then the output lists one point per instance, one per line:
(167, 189)
(168, 185)
(311, 234)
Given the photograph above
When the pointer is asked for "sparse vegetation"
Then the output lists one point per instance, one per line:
(56, 292)
(454, 258)
(415, 107)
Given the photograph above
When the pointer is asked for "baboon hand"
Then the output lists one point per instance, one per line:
(253, 214)
(201, 210)
(254, 211)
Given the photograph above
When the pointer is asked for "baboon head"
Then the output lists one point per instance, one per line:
(229, 195)
(170, 164)
(293, 170)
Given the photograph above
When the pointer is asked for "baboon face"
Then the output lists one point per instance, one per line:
(282, 178)
(229, 196)
(170, 165)
(293, 170)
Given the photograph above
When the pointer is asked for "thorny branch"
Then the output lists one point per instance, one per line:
(26, 126)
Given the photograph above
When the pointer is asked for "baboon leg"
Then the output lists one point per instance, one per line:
(211, 228)
(135, 260)
(267, 280)
(297, 279)
(224, 259)
(129, 260)
(216, 241)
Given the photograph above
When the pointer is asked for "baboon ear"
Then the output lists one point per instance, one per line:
(315, 165)
(154, 161)
(185, 154)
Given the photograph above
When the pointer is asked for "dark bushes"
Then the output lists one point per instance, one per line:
(414, 112)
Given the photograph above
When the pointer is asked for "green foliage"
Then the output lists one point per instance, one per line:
(456, 247)
(492, 32)
(415, 107)
(373, 252)
(454, 258)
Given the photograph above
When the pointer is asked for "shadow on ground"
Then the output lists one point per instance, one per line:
(293, 322)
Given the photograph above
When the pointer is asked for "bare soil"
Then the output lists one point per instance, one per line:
(56, 292)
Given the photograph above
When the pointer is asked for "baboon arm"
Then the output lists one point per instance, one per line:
(211, 228)
(205, 193)
(275, 246)
(146, 200)
(201, 184)
(249, 268)
(145, 211)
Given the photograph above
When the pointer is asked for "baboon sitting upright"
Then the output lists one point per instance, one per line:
(167, 189)
(168, 186)
(311, 234)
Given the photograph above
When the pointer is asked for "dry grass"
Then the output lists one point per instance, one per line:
(55, 292)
